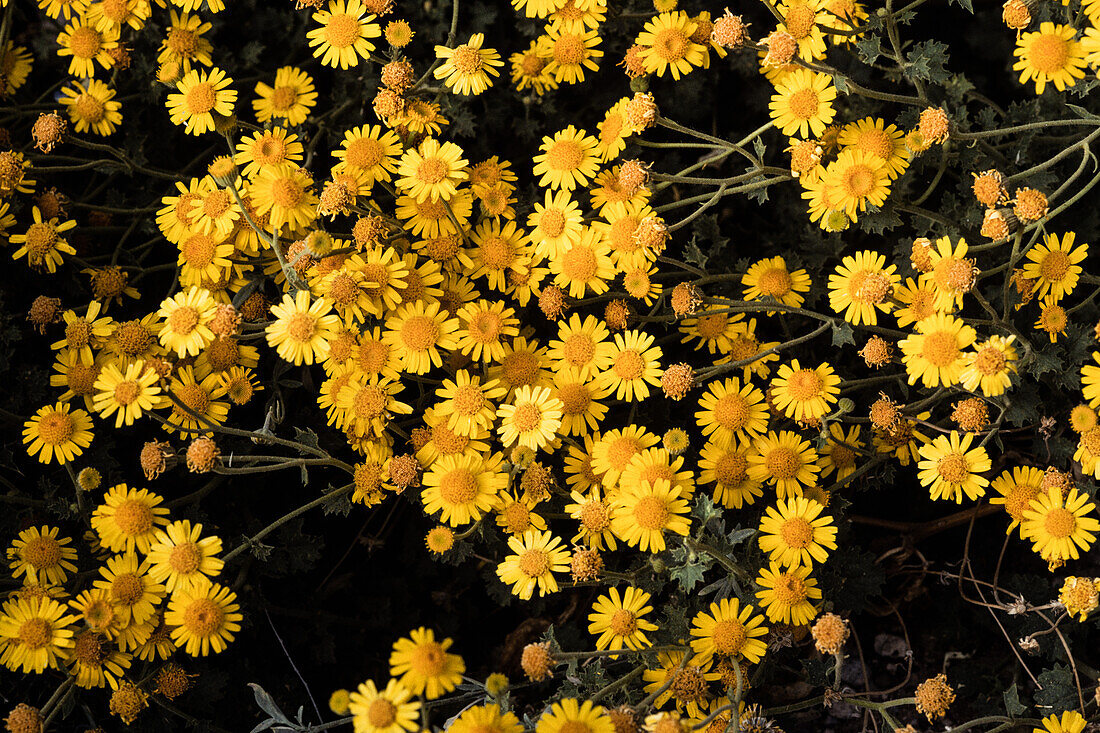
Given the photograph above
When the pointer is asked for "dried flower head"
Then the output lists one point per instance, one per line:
(202, 455)
(729, 31)
(44, 311)
(48, 131)
(685, 299)
(934, 697)
(971, 415)
(934, 125)
(1030, 204)
(537, 661)
(877, 352)
(830, 632)
(586, 564)
(677, 380)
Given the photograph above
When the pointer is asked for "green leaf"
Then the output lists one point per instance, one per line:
(842, 333)
(869, 48)
(1013, 706)
(966, 5)
(926, 61)
(693, 255)
(688, 575)
(1058, 691)
(306, 437)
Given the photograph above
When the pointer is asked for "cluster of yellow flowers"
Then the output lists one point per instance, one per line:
(471, 356)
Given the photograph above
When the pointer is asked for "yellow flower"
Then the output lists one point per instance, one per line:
(592, 513)
(729, 630)
(785, 461)
(642, 513)
(584, 345)
(179, 556)
(424, 666)
(285, 194)
(725, 464)
(130, 588)
(535, 557)
(484, 327)
(803, 103)
(568, 52)
(416, 332)
(667, 45)
(801, 20)
(57, 433)
(805, 394)
(794, 532)
(466, 68)
(935, 354)
(126, 392)
(485, 719)
(291, 98)
(990, 366)
(36, 634)
(184, 43)
(683, 682)
(634, 366)
(388, 710)
(570, 716)
(41, 556)
(1016, 488)
(497, 251)
(770, 278)
(862, 286)
(532, 419)
(42, 243)
(1055, 265)
(949, 468)
(584, 266)
(463, 487)
(87, 46)
(788, 596)
(92, 107)
(268, 148)
(203, 617)
(732, 411)
(840, 451)
(432, 171)
(874, 137)
(1070, 721)
(567, 160)
(302, 329)
(191, 395)
(855, 179)
(1050, 55)
(1057, 525)
(618, 622)
(128, 519)
(200, 96)
(529, 70)
(343, 36)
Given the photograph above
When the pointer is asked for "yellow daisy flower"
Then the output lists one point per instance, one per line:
(388, 710)
(785, 461)
(462, 487)
(41, 556)
(1055, 266)
(787, 596)
(934, 355)
(87, 47)
(424, 665)
(803, 103)
(1057, 525)
(729, 630)
(634, 366)
(771, 278)
(725, 464)
(1051, 55)
(862, 286)
(617, 621)
(92, 107)
(200, 96)
(179, 556)
(57, 433)
(128, 519)
(1015, 488)
(532, 419)
(466, 68)
(667, 45)
(568, 52)
(36, 633)
(794, 532)
(568, 715)
(949, 468)
(302, 329)
(990, 366)
(535, 557)
(42, 244)
(642, 513)
(731, 410)
(203, 617)
(291, 98)
(805, 394)
(567, 160)
(432, 171)
(343, 37)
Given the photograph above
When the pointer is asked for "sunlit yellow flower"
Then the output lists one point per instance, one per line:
(343, 37)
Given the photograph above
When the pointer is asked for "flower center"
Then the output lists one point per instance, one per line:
(55, 428)
(1049, 53)
(1055, 266)
(729, 636)
(565, 155)
(783, 462)
(579, 264)
(342, 30)
(364, 152)
(651, 513)
(284, 98)
(731, 469)
(89, 108)
(195, 398)
(803, 104)
(534, 563)
(469, 399)
(1060, 523)
(876, 142)
(953, 468)
(940, 349)
(381, 713)
(42, 552)
(201, 98)
(185, 558)
(775, 282)
(789, 589)
(575, 397)
(127, 589)
(35, 633)
(670, 44)
(458, 487)
(800, 21)
(467, 60)
(796, 532)
(431, 170)
(287, 193)
(623, 623)
(731, 411)
(183, 320)
(496, 252)
(134, 517)
(85, 42)
(485, 326)
(203, 617)
(370, 402)
(428, 659)
(181, 41)
(419, 333)
(552, 223)
(301, 327)
(629, 365)
(805, 384)
(569, 49)
(990, 360)
(858, 181)
(594, 517)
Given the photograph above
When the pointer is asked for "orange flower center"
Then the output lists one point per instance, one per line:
(56, 428)
(783, 462)
(1060, 523)
(629, 365)
(953, 468)
(651, 513)
(85, 42)
(203, 617)
(185, 558)
(458, 486)
(796, 532)
(623, 623)
(729, 636)
(133, 517)
(342, 30)
(1048, 53)
(534, 563)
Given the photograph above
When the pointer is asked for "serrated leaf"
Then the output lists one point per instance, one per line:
(688, 575)
(759, 147)
(1013, 706)
(966, 5)
(306, 437)
(841, 84)
(869, 48)
(842, 333)
(1059, 693)
(694, 256)
(926, 61)
(1042, 362)
(739, 535)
